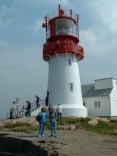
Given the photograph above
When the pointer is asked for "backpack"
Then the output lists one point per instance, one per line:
(29, 105)
(38, 118)
(50, 109)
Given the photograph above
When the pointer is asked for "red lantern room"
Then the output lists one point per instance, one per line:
(62, 34)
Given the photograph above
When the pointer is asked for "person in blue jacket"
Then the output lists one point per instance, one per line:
(42, 121)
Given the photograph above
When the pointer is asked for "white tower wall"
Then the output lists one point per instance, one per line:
(64, 74)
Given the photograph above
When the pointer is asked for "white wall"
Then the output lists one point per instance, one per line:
(103, 83)
(60, 76)
(113, 98)
(104, 110)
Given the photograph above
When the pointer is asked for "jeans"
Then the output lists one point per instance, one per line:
(15, 113)
(60, 116)
(11, 115)
(41, 127)
(53, 127)
(29, 112)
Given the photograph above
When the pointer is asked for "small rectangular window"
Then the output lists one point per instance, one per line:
(69, 62)
(95, 104)
(98, 103)
(71, 87)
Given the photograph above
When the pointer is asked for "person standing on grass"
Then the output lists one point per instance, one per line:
(42, 121)
(53, 123)
(59, 111)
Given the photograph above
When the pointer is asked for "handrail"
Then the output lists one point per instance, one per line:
(67, 13)
(21, 113)
(69, 48)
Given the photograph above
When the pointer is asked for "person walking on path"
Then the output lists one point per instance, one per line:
(28, 108)
(53, 123)
(37, 101)
(59, 111)
(14, 107)
(42, 121)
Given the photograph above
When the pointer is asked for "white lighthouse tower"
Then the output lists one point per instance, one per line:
(63, 53)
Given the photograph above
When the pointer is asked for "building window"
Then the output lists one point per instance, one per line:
(69, 62)
(83, 103)
(97, 104)
(71, 87)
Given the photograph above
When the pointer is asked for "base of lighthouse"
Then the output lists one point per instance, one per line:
(64, 85)
(73, 111)
(78, 112)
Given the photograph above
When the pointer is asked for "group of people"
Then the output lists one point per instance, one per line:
(53, 115)
(26, 110)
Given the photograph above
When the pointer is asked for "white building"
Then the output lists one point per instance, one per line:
(100, 98)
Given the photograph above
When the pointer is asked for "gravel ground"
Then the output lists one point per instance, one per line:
(81, 143)
(77, 143)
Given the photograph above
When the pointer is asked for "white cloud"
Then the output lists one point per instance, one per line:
(100, 39)
(23, 67)
(4, 13)
(37, 25)
(62, 2)
(3, 43)
(105, 13)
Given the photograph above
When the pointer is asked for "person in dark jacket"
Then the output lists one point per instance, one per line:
(37, 101)
(28, 108)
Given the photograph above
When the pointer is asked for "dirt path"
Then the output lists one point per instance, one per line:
(83, 143)
(76, 143)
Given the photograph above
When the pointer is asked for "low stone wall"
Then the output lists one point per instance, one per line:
(11, 145)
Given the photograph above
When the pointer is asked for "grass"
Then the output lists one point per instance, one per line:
(105, 128)
(102, 127)
(20, 127)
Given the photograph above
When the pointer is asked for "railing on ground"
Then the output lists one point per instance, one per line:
(22, 112)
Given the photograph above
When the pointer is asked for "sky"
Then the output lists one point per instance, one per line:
(23, 72)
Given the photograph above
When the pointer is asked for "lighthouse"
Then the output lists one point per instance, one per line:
(63, 54)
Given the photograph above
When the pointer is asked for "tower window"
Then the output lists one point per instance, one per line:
(69, 62)
(71, 87)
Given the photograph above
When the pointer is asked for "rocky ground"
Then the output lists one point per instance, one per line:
(75, 143)
(71, 143)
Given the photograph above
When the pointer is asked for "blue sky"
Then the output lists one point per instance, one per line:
(23, 73)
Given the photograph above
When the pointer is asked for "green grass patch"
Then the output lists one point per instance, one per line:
(106, 128)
